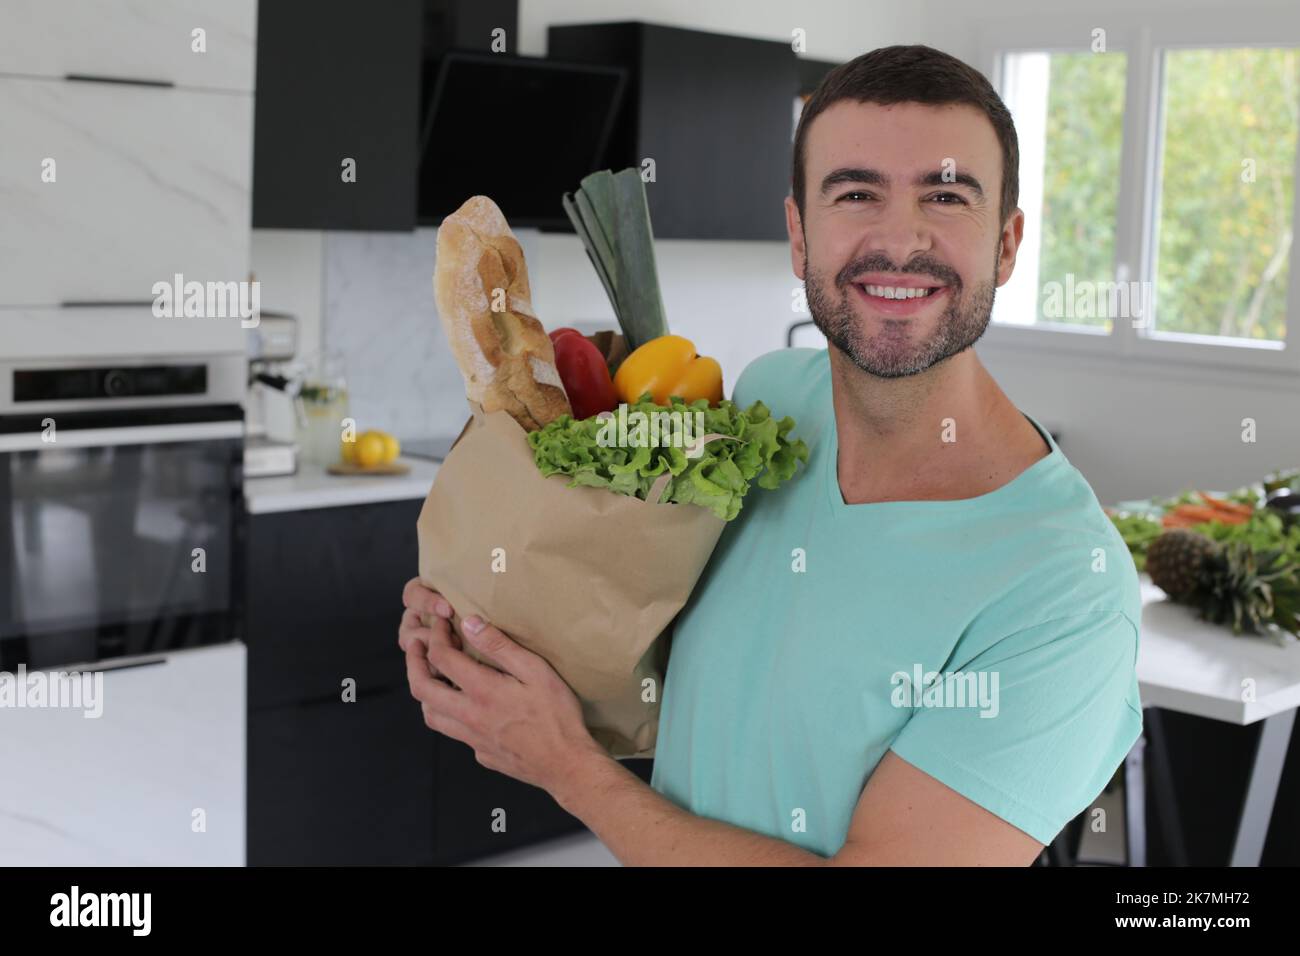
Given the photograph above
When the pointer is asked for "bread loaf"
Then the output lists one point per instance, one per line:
(480, 284)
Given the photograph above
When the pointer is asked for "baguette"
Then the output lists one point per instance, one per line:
(505, 354)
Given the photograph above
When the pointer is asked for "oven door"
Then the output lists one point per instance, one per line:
(119, 533)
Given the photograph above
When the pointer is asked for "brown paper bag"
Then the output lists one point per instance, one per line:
(586, 578)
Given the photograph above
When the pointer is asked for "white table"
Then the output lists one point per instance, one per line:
(1193, 667)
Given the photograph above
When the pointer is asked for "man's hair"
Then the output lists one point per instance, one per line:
(913, 74)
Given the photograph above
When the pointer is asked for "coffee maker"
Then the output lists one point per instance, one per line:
(274, 376)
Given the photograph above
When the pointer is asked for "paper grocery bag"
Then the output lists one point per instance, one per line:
(584, 577)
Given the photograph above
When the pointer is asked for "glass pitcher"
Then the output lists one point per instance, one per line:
(322, 406)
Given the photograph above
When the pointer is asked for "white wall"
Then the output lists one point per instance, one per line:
(287, 264)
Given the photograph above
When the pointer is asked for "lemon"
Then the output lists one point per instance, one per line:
(370, 449)
(392, 448)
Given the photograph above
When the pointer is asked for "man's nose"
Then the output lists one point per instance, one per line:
(899, 232)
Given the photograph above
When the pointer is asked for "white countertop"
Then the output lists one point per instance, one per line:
(313, 487)
(1194, 667)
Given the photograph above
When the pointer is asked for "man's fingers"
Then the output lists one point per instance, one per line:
(462, 670)
(412, 627)
(409, 628)
(449, 727)
(438, 634)
(430, 691)
(424, 599)
(496, 646)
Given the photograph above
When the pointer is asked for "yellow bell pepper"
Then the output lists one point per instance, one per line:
(669, 365)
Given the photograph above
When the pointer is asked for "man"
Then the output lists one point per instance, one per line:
(938, 542)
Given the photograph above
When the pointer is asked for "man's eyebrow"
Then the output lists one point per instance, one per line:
(853, 174)
(938, 177)
(873, 177)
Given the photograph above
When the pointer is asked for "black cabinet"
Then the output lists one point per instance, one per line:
(341, 784)
(336, 80)
(338, 782)
(480, 812)
(811, 73)
(714, 113)
(339, 80)
(324, 599)
(334, 781)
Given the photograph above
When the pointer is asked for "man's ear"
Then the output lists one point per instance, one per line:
(794, 227)
(1012, 234)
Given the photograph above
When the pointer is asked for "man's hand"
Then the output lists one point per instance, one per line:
(523, 720)
(420, 600)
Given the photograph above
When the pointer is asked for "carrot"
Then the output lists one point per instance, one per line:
(1198, 513)
(1202, 514)
(1231, 507)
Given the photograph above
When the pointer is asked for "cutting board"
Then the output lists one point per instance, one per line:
(347, 468)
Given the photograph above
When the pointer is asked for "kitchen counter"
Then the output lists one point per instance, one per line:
(313, 487)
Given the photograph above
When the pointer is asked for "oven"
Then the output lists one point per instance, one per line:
(121, 509)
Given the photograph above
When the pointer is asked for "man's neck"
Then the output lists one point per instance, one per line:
(946, 433)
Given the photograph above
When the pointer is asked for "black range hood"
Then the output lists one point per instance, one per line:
(522, 130)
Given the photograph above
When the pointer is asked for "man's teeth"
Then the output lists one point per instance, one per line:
(895, 292)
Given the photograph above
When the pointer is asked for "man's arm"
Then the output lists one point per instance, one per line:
(904, 818)
(643, 828)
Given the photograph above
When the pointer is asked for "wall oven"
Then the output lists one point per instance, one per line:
(121, 508)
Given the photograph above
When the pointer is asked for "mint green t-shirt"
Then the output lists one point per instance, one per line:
(1012, 616)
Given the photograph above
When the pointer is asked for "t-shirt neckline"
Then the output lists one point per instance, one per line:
(831, 468)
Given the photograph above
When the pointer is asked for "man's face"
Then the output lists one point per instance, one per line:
(883, 211)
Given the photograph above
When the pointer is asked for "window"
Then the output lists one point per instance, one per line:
(1227, 189)
(1157, 178)
(1068, 109)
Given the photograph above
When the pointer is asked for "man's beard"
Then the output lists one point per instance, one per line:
(892, 353)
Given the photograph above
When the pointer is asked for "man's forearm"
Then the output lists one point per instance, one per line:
(643, 828)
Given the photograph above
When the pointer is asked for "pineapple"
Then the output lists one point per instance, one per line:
(1228, 584)
(1176, 562)
(1250, 589)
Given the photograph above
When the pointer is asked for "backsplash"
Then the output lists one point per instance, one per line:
(379, 316)
(731, 298)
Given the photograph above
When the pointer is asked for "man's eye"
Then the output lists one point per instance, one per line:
(951, 196)
(854, 193)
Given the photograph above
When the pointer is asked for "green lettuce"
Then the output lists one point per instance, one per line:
(592, 453)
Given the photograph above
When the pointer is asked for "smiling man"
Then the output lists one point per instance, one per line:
(922, 652)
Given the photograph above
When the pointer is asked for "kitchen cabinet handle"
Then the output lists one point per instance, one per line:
(108, 666)
(104, 303)
(134, 435)
(126, 80)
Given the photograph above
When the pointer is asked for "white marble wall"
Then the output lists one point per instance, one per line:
(379, 316)
(733, 299)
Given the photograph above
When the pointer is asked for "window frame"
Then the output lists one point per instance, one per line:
(1144, 44)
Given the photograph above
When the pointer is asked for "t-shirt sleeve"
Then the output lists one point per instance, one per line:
(769, 377)
(1060, 713)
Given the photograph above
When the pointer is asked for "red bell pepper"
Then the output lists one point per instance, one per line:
(584, 373)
